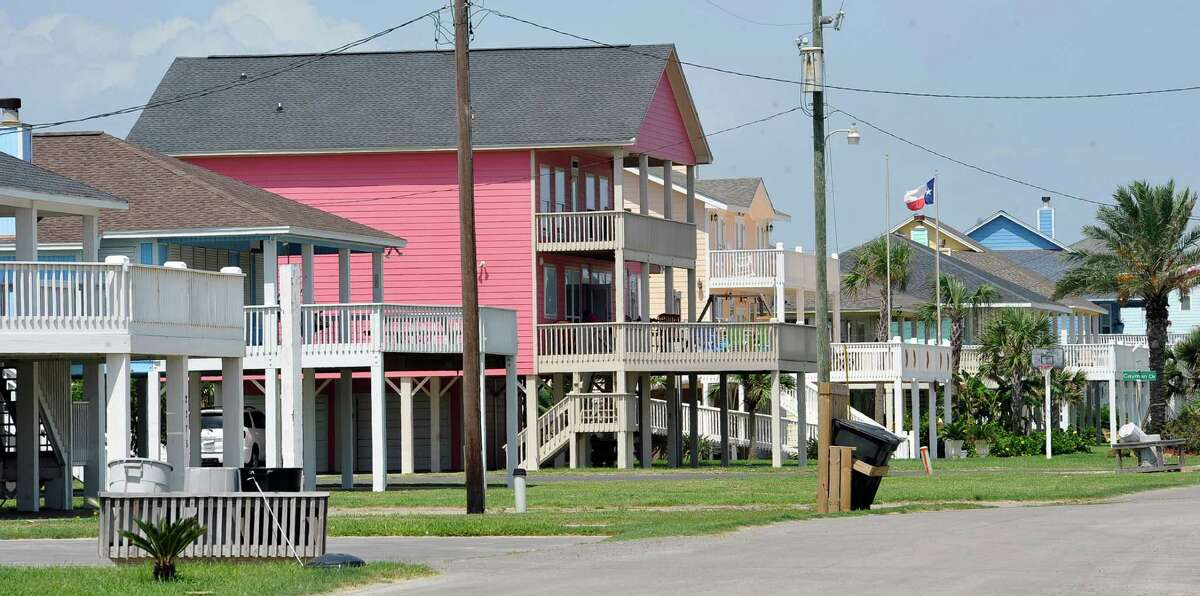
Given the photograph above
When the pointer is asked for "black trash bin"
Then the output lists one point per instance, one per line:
(272, 480)
(873, 445)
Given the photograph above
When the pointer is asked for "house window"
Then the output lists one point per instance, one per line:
(589, 191)
(544, 188)
(550, 292)
(560, 190)
(720, 233)
(1185, 299)
(605, 202)
(573, 280)
(599, 288)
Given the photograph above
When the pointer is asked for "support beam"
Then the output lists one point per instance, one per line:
(93, 391)
(1112, 409)
(643, 185)
(531, 425)
(435, 424)
(723, 404)
(619, 286)
(931, 386)
(291, 377)
(776, 423)
(345, 426)
(690, 187)
(378, 429)
(273, 457)
(270, 293)
(668, 189)
(646, 416)
(674, 424)
(694, 417)
(897, 423)
(118, 415)
(512, 454)
(27, 233)
(947, 401)
(91, 239)
(194, 403)
(308, 295)
(801, 421)
(618, 181)
(152, 411)
(408, 443)
(344, 275)
(179, 447)
(29, 494)
(308, 424)
(915, 394)
(232, 453)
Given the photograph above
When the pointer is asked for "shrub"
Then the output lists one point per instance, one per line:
(165, 542)
(1007, 444)
(812, 449)
(1186, 425)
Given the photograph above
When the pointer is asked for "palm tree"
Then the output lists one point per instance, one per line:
(871, 269)
(1067, 387)
(958, 303)
(1006, 347)
(1146, 249)
(757, 388)
(1182, 366)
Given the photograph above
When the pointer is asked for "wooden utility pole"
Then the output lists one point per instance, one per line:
(818, 119)
(473, 459)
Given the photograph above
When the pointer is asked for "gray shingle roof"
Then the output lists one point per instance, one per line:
(921, 281)
(946, 229)
(527, 97)
(165, 193)
(21, 175)
(1011, 268)
(735, 192)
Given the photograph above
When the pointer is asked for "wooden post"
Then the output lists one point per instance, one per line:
(841, 463)
(833, 402)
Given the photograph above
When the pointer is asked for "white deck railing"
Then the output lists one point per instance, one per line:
(580, 412)
(57, 297)
(1099, 362)
(1124, 339)
(569, 347)
(608, 230)
(764, 268)
(878, 361)
(348, 329)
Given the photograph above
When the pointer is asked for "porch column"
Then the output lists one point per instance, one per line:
(644, 294)
(620, 294)
(931, 386)
(625, 438)
(118, 414)
(644, 184)
(723, 404)
(835, 299)
(780, 288)
(306, 262)
(647, 420)
(232, 452)
(668, 188)
(194, 403)
(693, 311)
(531, 422)
(947, 402)
(618, 181)
(152, 412)
(691, 194)
(291, 377)
(343, 275)
(178, 445)
(800, 306)
(94, 471)
(345, 426)
(270, 287)
(407, 442)
(915, 394)
(272, 457)
(378, 428)
(27, 233)
(512, 454)
(377, 277)
(29, 494)
(776, 423)
(674, 424)
(801, 420)
(694, 417)
(669, 290)
(897, 423)
(308, 427)
(435, 424)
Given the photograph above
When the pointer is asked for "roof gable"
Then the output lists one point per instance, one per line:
(1002, 231)
(946, 229)
(404, 101)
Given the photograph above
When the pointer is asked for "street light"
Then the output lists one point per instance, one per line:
(852, 135)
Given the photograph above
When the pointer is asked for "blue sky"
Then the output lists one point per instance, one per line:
(67, 59)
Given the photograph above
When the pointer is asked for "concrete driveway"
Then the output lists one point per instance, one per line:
(1025, 550)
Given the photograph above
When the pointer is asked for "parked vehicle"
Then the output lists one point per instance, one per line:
(212, 437)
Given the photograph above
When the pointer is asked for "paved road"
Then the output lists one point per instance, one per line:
(1031, 550)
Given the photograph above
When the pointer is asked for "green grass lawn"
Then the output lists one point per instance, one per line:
(673, 502)
(201, 578)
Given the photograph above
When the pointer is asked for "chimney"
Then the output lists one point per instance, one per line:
(16, 139)
(1045, 218)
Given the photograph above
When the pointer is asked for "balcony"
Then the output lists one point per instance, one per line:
(1099, 362)
(869, 362)
(765, 268)
(118, 308)
(675, 347)
(644, 238)
(351, 334)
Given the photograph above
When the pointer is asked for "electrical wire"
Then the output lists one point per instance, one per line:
(752, 21)
(309, 59)
(923, 94)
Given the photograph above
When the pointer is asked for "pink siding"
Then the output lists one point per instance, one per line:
(415, 196)
(662, 133)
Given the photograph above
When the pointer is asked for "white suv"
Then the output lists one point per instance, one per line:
(212, 439)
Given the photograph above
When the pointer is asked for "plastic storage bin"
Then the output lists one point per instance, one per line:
(873, 445)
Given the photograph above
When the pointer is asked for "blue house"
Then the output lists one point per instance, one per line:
(1003, 231)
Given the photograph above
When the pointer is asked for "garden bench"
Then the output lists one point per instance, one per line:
(1158, 447)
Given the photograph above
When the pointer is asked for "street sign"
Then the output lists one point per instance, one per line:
(1047, 358)
(1139, 375)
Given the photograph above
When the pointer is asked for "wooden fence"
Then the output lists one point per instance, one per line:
(237, 525)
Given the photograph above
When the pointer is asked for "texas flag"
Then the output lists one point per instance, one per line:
(919, 197)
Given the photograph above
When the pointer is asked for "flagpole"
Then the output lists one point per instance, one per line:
(937, 255)
(887, 235)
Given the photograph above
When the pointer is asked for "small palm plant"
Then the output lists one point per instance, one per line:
(165, 542)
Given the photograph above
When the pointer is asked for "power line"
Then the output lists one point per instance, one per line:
(245, 80)
(749, 20)
(584, 165)
(923, 94)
